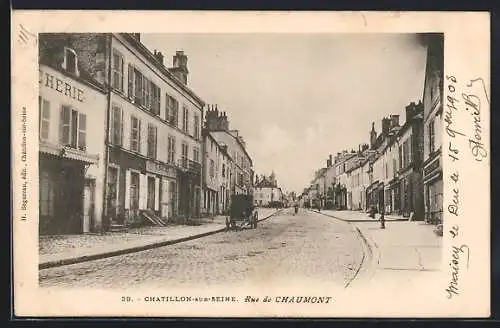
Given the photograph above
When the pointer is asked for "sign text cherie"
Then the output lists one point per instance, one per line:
(59, 85)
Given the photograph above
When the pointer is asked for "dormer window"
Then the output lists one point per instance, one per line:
(70, 62)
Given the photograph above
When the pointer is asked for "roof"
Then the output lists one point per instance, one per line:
(238, 141)
(149, 55)
(51, 54)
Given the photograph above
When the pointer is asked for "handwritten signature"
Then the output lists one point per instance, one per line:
(473, 106)
(453, 286)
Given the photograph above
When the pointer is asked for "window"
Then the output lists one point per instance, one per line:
(184, 155)
(431, 137)
(131, 79)
(73, 128)
(44, 124)
(138, 93)
(152, 138)
(155, 99)
(185, 119)
(70, 63)
(117, 81)
(171, 149)
(407, 152)
(196, 126)
(146, 92)
(212, 168)
(223, 170)
(135, 134)
(116, 126)
(400, 154)
(196, 155)
(172, 110)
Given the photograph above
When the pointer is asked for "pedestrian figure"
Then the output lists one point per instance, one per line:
(382, 220)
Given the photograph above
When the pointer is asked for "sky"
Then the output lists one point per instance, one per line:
(296, 98)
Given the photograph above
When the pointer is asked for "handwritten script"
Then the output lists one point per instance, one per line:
(463, 99)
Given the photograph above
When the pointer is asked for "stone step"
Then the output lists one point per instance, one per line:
(117, 228)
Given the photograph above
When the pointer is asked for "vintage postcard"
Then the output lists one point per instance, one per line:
(251, 164)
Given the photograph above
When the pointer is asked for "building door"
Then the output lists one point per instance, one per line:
(197, 201)
(172, 189)
(164, 199)
(112, 193)
(151, 194)
(88, 204)
(47, 189)
(134, 195)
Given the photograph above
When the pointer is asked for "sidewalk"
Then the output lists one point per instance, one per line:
(69, 249)
(401, 254)
(359, 216)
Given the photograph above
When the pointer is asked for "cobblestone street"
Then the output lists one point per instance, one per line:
(306, 246)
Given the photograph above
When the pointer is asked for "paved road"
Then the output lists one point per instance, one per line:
(306, 246)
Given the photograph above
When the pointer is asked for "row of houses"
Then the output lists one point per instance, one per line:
(122, 140)
(267, 192)
(400, 170)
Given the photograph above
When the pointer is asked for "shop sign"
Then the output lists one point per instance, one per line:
(160, 168)
(61, 86)
(429, 169)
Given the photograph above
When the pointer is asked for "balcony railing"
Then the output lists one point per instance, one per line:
(189, 166)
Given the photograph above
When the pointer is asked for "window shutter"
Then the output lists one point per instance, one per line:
(120, 142)
(112, 130)
(132, 122)
(157, 194)
(122, 72)
(127, 189)
(40, 116)
(45, 119)
(64, 125)
(143, 191)
(82, 132)
(130, 79)
(139, 141)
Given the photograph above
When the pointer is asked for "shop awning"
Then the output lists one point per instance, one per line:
(67, 153)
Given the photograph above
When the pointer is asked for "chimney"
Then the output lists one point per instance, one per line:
(136, 36)
(386, 125)
(373, 136)
(412, 110)
(180, 69)
(159, 56)
(394, 121)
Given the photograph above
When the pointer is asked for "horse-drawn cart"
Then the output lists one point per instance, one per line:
(242, 213)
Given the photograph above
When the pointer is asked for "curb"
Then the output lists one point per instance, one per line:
(86, 258)
(367, 220)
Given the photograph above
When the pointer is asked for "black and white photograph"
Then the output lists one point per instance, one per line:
(253, 174)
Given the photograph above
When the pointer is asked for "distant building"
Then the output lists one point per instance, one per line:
(241, 166)
(410, 140)
(266, 191)
(216, 173)
(433, 118)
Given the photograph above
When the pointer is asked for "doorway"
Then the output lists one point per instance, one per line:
(88, 205)
(151, 194)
